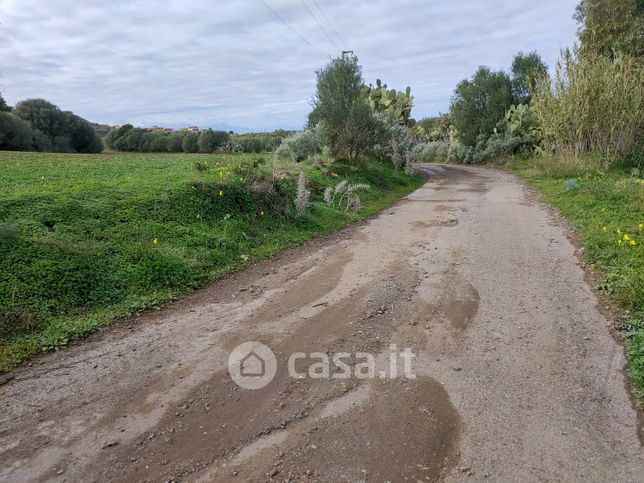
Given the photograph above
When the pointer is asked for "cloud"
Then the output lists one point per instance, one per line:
(203, 62)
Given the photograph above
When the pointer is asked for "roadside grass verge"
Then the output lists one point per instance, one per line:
(88, 239)
(606, 208)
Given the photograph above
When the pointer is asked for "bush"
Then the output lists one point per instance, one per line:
(15, 134)
(459, 153)
(496, 148)
(392, 142)
(231, 147)
(301, 145)
(258, 143)
(431, 152)
(269, 196)
(594, 104)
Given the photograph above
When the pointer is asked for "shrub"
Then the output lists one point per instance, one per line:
(258, 143)
(431, 152)
(459, 153)
(301, 145)
(269, 197)
(231, 147)
(571, 184)
(393, 142)
(496, 148)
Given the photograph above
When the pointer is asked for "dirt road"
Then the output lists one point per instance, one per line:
(517, 377)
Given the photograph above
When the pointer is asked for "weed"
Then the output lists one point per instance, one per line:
(302, 196)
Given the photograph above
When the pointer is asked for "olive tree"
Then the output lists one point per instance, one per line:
(342, 110)
(478, 104)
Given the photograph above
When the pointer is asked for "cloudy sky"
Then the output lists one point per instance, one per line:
(233, 62)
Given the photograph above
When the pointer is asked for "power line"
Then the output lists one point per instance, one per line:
(291, 28)
(319, 24)
(329, 22)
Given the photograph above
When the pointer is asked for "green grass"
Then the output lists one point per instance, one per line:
(607, 211)
(88, 239)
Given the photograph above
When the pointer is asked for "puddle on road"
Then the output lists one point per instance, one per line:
(460, 304)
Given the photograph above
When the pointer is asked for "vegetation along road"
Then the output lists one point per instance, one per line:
(517, 377)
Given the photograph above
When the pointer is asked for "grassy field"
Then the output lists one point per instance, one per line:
(87, 239)
(607, 210)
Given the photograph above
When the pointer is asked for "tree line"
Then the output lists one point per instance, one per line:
(39, 125)
(135, 139)
(593, 103)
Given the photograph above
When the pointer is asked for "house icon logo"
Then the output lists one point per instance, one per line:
(252, 365)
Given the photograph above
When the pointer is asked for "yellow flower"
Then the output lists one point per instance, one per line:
(603, 210)
(641, 226)
(633, 242)
(221, 193)
(619, 242)
(626, 237)
(155, 241)
(618, 231)
(605, 229)
(261, 213)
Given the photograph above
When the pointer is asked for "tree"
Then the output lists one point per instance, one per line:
(115, 134)
(56, 130)
(190, 142)
(210, 140)
(81, 134)
(15, 134)
(607, 27)
(175, 142)
(42, 115)
(478, 104)
(4, 107)
(130, 140)
(527, 69)
(342, 109)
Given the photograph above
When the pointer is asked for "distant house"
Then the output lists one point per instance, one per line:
(166, 130)
(191, 129)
